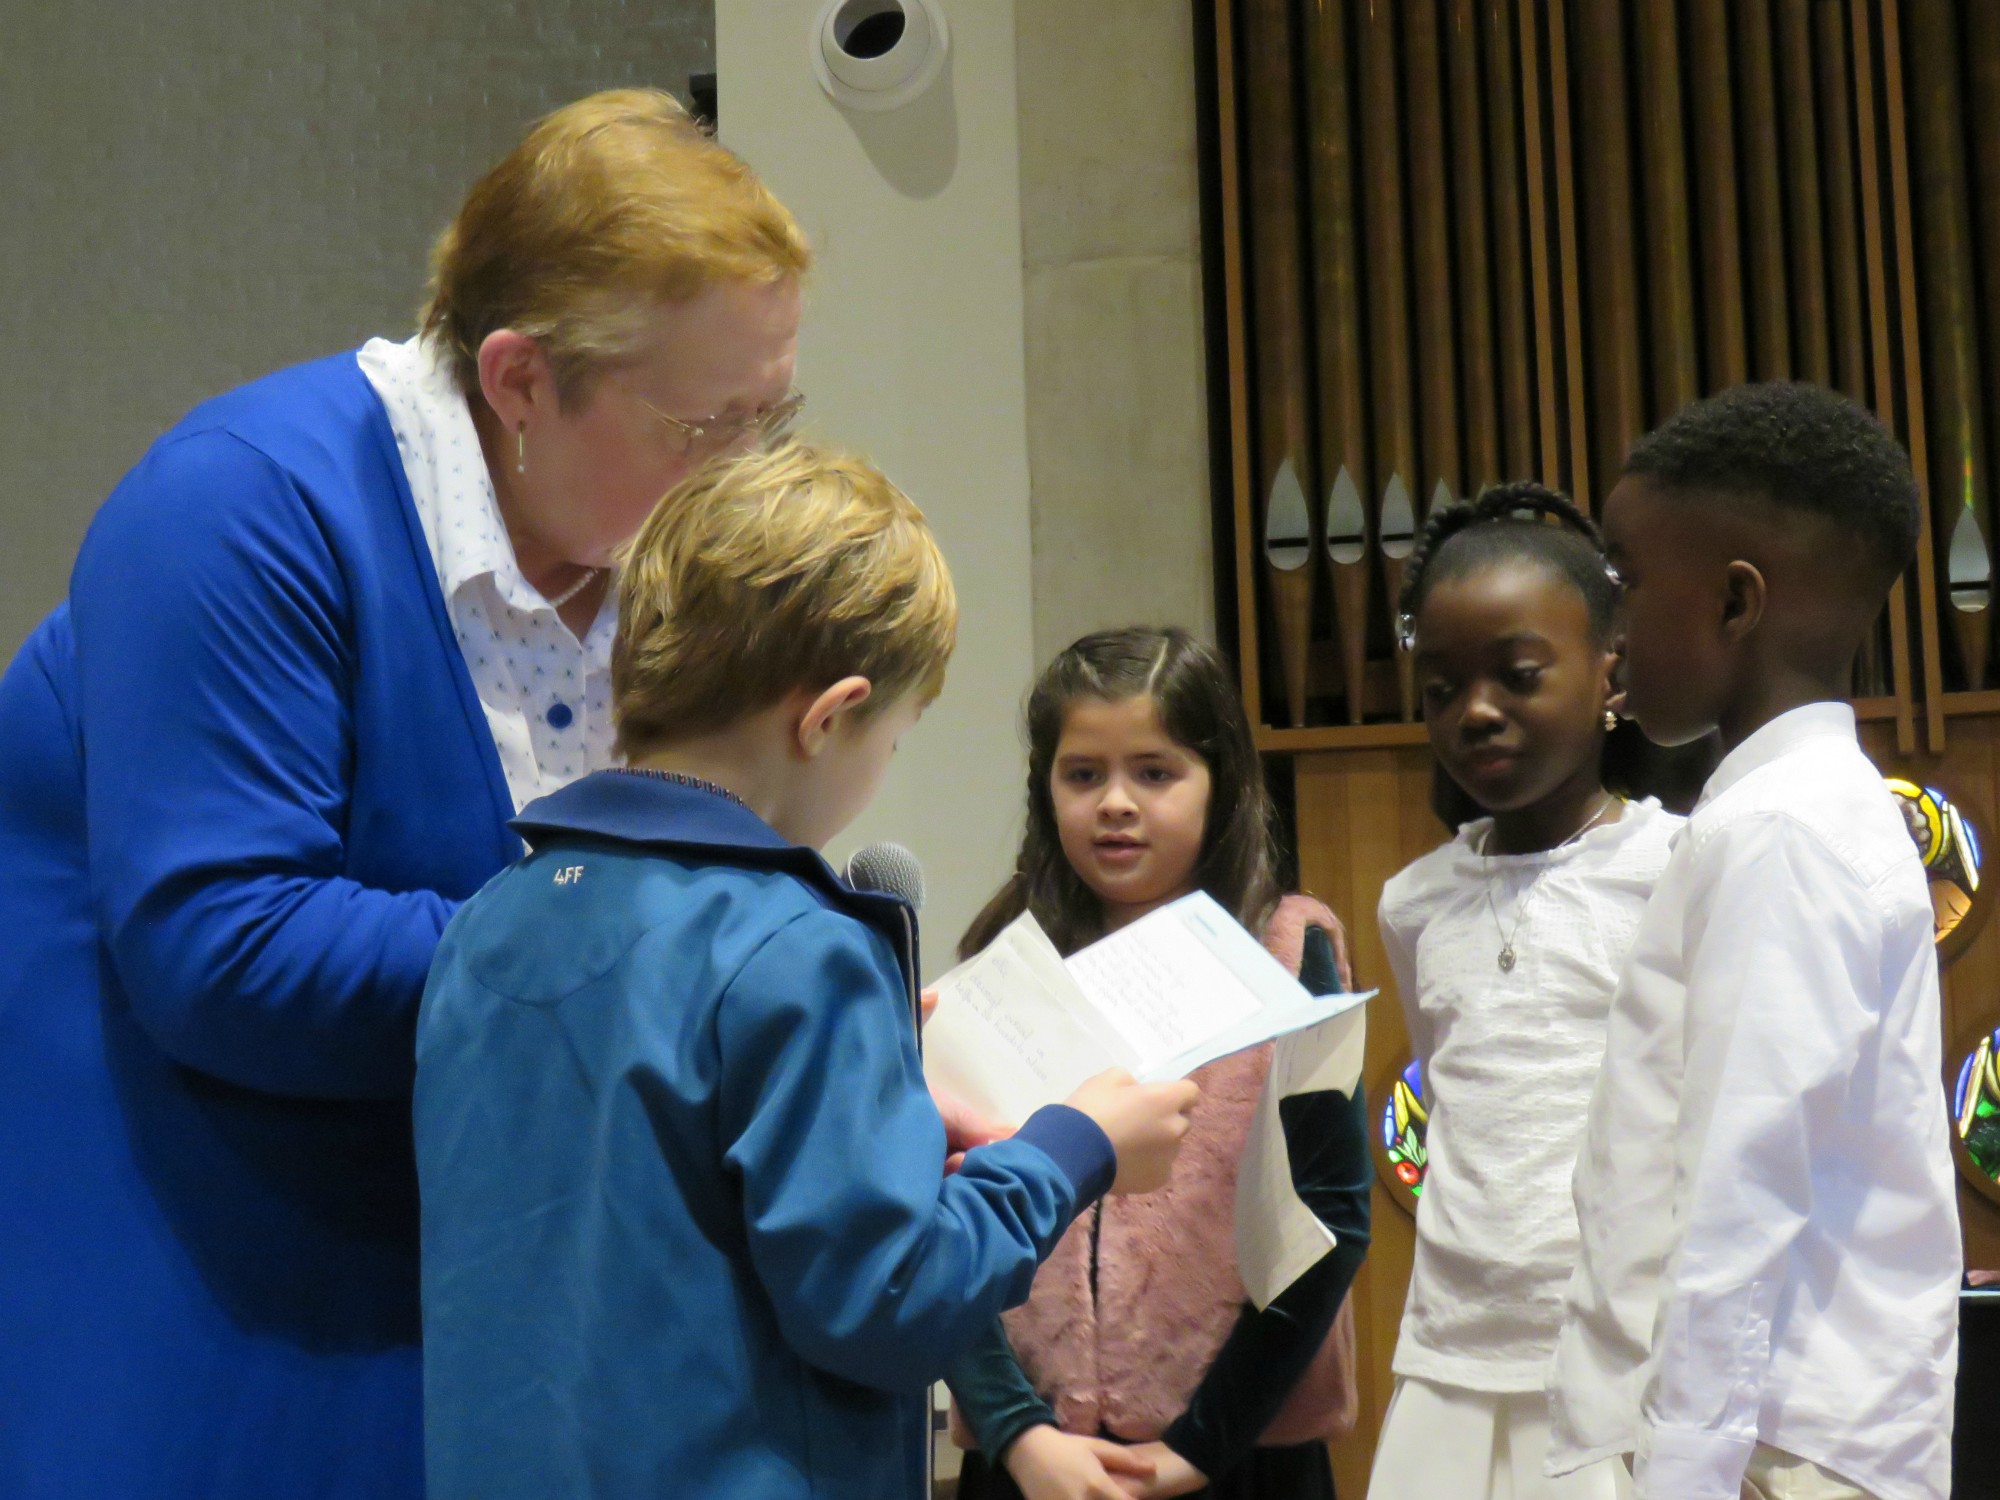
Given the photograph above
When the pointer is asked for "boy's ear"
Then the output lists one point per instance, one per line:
(1743, 594)
(828, 711)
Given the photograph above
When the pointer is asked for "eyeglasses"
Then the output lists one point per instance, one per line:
(720, 434)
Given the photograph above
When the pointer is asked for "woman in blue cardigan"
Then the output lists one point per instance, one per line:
(319, 645)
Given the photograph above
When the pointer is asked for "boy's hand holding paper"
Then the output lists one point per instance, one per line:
(1020, 1027)
(1143, 1121)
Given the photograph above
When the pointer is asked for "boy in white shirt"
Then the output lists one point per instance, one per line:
(1765, 1302)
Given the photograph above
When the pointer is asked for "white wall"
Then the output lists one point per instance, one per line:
(1111, 254)
(912, 352)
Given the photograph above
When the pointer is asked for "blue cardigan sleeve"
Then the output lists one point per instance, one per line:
(879, 1267)
(212, 665)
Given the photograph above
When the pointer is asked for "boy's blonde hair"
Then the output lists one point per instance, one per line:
(610, 207)
(789, 568)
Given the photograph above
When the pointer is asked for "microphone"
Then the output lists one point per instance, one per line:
(890, 869)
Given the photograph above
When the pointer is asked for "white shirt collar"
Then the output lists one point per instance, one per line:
(1777, 739)
(441, 456)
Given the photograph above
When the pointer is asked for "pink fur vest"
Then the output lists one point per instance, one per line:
(1127, 1360)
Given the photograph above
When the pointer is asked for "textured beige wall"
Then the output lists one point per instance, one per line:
(192, 195)
(1111, 256)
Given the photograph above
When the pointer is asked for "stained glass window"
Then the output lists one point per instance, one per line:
(1976, 1106)
(1405, 1117)
(1949, 848)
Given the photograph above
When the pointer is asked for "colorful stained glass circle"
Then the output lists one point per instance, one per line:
(1975, 1105)
(1949, 847)
(1405, 1118)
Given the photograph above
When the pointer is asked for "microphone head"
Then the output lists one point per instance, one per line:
(890, 869)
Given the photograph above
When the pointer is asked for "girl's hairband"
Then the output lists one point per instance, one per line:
(1406, 623)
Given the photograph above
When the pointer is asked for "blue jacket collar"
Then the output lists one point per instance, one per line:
(650, 810)
(652, 813)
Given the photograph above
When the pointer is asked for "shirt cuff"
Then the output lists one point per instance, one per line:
(1078, 1145)
(1687, 1463)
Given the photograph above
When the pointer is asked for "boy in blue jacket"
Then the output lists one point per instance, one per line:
(686, 1230)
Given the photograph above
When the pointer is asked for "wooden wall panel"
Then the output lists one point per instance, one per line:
(1610, 240)
(1669, 254)
(1442, 474)
(1280, 327)
(1763, 193)
(1343, 386)
(1800, 168)
(1466, 103)
(1711, 102)
(1510, 248)
(1362, 816)
(1494, 239)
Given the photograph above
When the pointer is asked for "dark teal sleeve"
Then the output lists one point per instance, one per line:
(1267, 1352)
(993, 1393)
(880, 1268)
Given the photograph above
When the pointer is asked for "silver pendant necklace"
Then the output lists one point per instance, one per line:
(1508, 957)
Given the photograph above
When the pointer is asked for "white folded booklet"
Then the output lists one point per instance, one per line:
(1018, 1026)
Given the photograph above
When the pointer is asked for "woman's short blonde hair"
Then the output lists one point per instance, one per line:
(784, 569)
(610, 207)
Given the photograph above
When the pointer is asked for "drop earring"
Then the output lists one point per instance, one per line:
(521, 449)
(1610, 721)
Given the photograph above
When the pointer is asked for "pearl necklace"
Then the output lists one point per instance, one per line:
(1507, 958)
(589, 574)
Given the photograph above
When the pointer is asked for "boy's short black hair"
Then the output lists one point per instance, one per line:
(1803, 448)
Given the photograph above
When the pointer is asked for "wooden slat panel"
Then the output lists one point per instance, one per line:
(1541, 255)
(1343, 388)
(1763, 196)
(1843, 217)
(1278, 331)
(1573, 375)
(1848, 355)
(1430, 253)
(1860, 30)
(1808, 301)
(1953, 405)
(1466, 106)
(1389, 358)
(1510, 259)
(1363, 815)
(1669, 261)
(1617, 380)
(1236, 356)
(1982, 52)
(1728, 361)
(1913, 381)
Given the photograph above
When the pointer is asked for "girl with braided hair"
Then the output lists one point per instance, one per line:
(1506, 945)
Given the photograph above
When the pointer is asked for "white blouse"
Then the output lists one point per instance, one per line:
(1510, 1058)
(547, 695)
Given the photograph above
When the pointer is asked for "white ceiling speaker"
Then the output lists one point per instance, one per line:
(878, 54)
